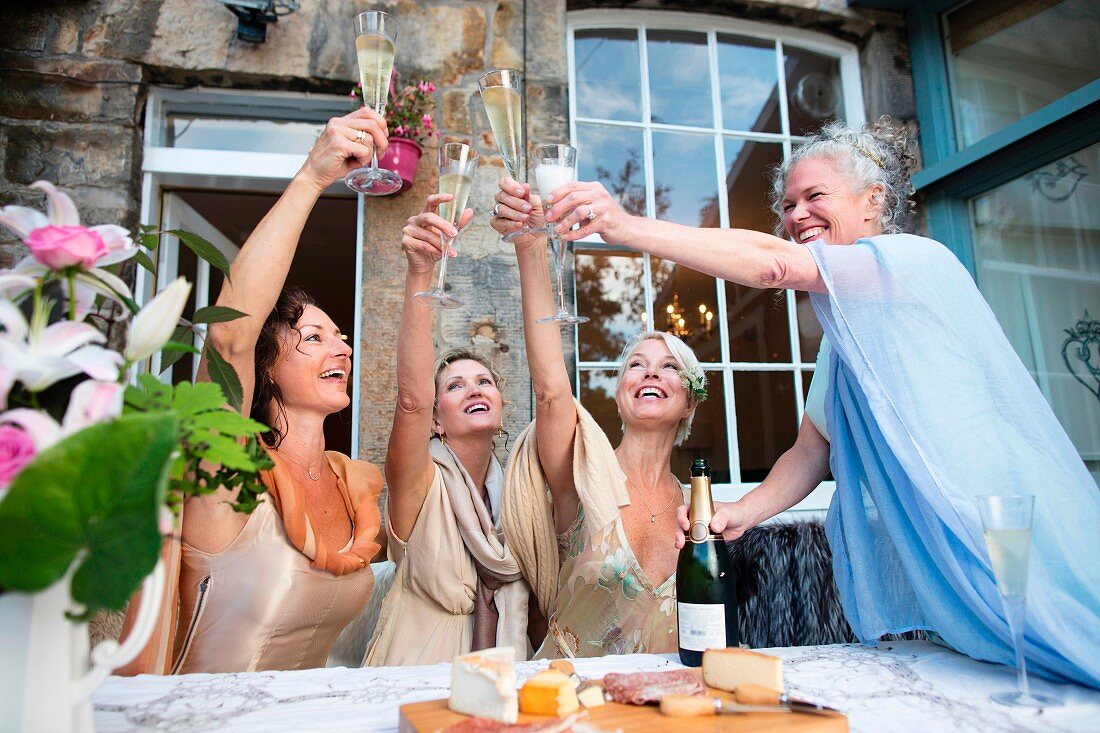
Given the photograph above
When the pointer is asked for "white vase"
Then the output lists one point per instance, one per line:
(47, 674)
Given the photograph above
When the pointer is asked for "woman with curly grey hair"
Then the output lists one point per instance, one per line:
(927, 407)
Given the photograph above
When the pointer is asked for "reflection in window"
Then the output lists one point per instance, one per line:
(679, 78)
(610, 291)
(748, 182)
(712, 170)
(685, 303)
(248, 135)
(1037, 242)
(613, 156)
(746, 67)
(608, 74)
(813, 90)
(1009, 58)
(766, 417)
(686, 196)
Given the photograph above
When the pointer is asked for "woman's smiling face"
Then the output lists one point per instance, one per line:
(313, 364)
(467, 399)
(819, 204)
(651, 389)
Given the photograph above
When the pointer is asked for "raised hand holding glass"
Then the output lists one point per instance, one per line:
(557, 166)
(457, 165)
(375, 47)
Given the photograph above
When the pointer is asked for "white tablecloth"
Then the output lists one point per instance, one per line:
(899, 686)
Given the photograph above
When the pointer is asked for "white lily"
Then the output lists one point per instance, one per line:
(153, 325)
(39, 355)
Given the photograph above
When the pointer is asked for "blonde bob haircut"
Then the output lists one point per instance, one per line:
(684, 356)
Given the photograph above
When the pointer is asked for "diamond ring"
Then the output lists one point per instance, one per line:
(360, 136)
(496, 211)
(591, 213)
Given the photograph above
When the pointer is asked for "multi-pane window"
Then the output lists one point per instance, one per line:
(683, 118)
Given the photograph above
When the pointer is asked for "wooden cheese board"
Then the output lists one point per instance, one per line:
(434, 715)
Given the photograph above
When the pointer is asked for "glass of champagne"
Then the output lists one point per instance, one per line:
(457, 165)
(502, 93)
(1006, 524)
(375, 46)
(557, 166)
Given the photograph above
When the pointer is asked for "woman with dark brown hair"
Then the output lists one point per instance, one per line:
(273, 589)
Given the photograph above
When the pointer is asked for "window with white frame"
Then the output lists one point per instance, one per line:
(682, 117)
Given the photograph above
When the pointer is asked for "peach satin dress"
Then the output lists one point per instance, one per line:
(277, 598)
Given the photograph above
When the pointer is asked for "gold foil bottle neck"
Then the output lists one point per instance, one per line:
(701, 509)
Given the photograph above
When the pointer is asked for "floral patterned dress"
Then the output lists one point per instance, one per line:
(605, 604)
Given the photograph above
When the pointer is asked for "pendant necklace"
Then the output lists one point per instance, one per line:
(312, 470)
(652, 514)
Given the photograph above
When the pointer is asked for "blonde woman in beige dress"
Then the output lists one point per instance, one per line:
(274, 588)
(600, 554)
(456, 587)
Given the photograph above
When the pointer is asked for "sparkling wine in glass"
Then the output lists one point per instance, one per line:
(557, 166)
(1006, 525)
(375, 47)
(457, 165)
(502, 94)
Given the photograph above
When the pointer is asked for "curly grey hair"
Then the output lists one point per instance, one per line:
(875, 153)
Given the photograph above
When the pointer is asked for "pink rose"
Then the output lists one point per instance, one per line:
(16, 451)
(427, 120)
(64, 246)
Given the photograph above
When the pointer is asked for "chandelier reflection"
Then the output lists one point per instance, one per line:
(677, 320)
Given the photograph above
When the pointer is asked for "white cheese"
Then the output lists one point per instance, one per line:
(725, 669)
(483, 683)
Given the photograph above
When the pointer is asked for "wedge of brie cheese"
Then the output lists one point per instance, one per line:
(725, 669)
(483, 684)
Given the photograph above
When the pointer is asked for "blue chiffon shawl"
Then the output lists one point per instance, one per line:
(928, 407)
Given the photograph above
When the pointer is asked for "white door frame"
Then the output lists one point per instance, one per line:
(165, 168)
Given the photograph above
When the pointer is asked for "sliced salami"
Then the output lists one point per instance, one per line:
(638, 688)
(484, 725)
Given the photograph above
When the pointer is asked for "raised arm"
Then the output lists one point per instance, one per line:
(408, 464)
(797, 472)
(743, 256)
(258, 273)
(555, 410)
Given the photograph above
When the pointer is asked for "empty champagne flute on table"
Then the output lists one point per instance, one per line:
(375, 47)
(1006, 525)
(556, 166)
(457, 165)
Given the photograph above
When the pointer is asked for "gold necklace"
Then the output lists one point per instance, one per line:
(652, 514)
(309, 469)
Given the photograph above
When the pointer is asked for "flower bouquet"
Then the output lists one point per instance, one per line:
(93, 456)
(409, 118)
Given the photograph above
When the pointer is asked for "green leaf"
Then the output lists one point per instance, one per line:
(96, 495)
(191, 399)
(217, 314)
(144, 260)
(226, 422)
(180, 343)
(203, 249)
(223, 375)
(225, 451)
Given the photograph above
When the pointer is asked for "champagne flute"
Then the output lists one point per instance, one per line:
(502, 94)
(1006, 524)
(557, 166)
(457, 165)
(375, 47)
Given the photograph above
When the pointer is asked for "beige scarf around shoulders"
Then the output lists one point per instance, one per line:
(500, 604)
(527, 514)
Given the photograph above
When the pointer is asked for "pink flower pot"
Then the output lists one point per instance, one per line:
(401, 158)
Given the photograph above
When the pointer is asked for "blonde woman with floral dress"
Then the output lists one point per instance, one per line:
(599, 548)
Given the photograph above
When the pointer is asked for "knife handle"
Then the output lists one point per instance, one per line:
(687, 705)
(757, 695)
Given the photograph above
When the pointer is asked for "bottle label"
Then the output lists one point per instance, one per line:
(702, 626)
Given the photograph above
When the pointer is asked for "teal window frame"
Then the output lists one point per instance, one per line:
(951, 177)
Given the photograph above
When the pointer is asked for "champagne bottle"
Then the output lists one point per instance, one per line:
(706, 589)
